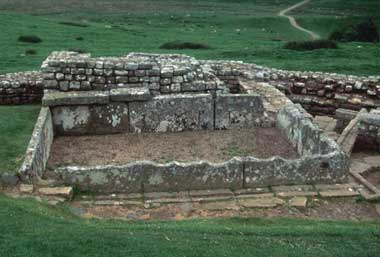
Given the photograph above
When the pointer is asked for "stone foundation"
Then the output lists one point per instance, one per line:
(173, 93)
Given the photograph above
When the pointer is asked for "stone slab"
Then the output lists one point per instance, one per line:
(26, 188)
(65, 192)
(267, 202)
(298, 202)
(218, 206)
(75, 98)
(338, 193)
(172, 113)
(238, 111)
(130, 94)
(90, 119)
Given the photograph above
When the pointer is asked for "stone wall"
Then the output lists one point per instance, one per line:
(317, 92)
(321, 162)
(161, 74)
(297, 125)
(136, 111)
(21, 88)
(37, 153)
(369, 127)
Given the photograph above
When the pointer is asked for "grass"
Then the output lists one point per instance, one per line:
(29, 228)
(16, 126)
(310, 45)
(242, 30)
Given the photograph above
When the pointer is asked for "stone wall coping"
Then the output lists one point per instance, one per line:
(75, 98)
(130, 94)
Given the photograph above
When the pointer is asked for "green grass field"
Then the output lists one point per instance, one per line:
(33, 229)
(16, 126)
(240, 30)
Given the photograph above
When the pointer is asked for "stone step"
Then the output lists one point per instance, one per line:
(64, 192)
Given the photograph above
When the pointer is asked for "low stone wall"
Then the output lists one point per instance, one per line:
(369, 127)
(321, 162)
(100, 112)
(148, 176)
(297, 125)
(318, 92)
(38, 150)
(237, 173)
(21, 88)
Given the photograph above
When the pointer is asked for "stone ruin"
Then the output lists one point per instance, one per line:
(148, 93)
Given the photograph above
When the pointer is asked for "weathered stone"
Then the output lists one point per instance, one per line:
(265, 202)
(238, 111)
(26, 188)
(130, 94)
(172, 113)
(65, 192)
(339, 193)
(298, 202)
(90, 119)
(219, 206)
(38, 150)
(75, 98)
(152, 177)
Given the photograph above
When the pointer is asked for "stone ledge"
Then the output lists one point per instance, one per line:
(75, 98)
(130, 94)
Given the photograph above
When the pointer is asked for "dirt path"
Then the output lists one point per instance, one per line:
(293, 21)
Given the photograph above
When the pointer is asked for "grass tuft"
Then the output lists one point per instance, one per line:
(30, 39)
(184, 45)
(311, 45)
(74, 24)
(30, 51)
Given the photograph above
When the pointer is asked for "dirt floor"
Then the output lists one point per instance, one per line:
(215, 146)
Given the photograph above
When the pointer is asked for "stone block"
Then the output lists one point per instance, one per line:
(75, 98)
(238, 111)
(172, 113)
(130, 94)
(193, 176)
(26, 188)
(298, 202)
(65, 192)
(266, 202)
(90, 119)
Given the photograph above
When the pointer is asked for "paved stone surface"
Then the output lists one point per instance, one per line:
(65, 192)
(266, 202)
(258, 190)
(339, 193)
(26, 188)
(296, 193)
(333, 187)
(298, 202)
(205, 193)
(264, 195)
(223, 205)
(298, 188)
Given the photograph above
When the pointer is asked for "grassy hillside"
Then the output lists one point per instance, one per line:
(241, 30)
(32, 229)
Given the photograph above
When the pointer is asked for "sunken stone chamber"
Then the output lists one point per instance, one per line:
(143, 93)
